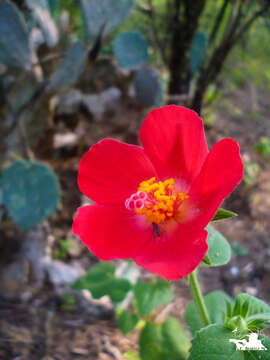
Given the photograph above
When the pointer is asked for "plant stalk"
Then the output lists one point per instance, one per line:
(198, 297)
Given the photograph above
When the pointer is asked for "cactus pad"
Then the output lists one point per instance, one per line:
(130, 49)
(30, 192)
(42, 15)
(70, 68)
(112, 13)
(147, 87)
(197, 51)
(14, 42)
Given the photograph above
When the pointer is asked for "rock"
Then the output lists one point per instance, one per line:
(36, 38)
(98, 308)
(13, 279)
(234, 271)
(252, 290)
(68, 103)
(98, 104)
(95, 104)
(61, 274)
(65, 140)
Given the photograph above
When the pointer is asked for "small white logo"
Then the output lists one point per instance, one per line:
(253, 342)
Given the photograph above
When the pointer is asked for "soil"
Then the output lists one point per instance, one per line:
(43, 329)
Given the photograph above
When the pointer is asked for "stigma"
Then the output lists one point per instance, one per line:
(157, 201)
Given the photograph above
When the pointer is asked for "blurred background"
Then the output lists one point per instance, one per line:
(73, 72)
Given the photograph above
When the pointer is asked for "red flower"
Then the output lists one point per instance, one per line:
(152, 203)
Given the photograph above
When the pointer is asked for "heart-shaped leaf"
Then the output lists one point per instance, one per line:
(152, 294)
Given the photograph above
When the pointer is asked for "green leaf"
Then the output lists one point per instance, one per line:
(112, 13)
(248, 314)
(103, 270)
(219, 250)
(259, 354)
(151, 295)
(213, 343)
(163, 342)
(262, 316)
(150, 342)
(222, 214)
(216, 303)
(255, 305)
(70, 68)
(130, 49)
(238, 250)
(14, 41)
(30, 192)
(197, 51)
(100, 281)
(127, 321)
(131, 355)
(175, 341)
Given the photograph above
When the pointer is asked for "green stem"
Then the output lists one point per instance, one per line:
(198, 298)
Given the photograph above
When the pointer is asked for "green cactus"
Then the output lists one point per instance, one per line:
(41, 14)
(130, 49)
(197, 51)
(70, 68)
(147, 87)
(14, 41)
(112, 13)
(30, 192)
(17, 97)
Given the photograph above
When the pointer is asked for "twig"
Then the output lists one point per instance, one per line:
(218, 21)
(28, 152)
(248, 24)
(159, 43)
(48, 58)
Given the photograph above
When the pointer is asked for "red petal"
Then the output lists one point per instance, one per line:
(173, 138)
(111, 232)
(111, 171)
(220, 174)
(174, 256)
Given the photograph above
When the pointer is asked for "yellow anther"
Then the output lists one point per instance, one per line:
(163, 201)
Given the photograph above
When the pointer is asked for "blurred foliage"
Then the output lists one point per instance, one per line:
(251, 173)
(239, 250)
(62, 251)
(263, 147)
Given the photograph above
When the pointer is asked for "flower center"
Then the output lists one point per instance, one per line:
(158, 201)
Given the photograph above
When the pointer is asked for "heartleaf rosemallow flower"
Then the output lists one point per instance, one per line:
(152, 203)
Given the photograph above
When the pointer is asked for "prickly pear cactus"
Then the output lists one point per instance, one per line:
(197, 51)
(18, 96)
(14, 42)
(30, 192)
(41, 13)
(130, 49)
(112, 13)
(70, 68)
(147, 87)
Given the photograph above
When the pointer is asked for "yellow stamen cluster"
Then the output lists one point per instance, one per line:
(163, 200)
